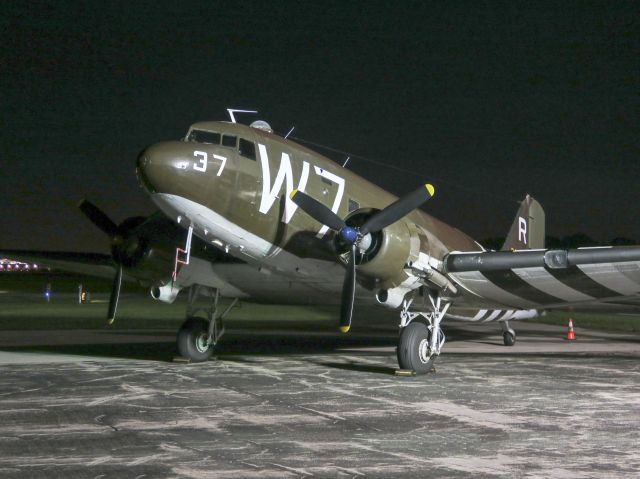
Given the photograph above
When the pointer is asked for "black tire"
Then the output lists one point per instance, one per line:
(413, 339)
(509, 338)
(192, 338)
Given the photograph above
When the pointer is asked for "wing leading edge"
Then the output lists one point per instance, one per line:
(92, 264)
(550, 278)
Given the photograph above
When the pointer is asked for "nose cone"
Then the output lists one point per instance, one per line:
(159, 166)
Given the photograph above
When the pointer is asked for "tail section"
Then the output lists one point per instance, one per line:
(527, 230)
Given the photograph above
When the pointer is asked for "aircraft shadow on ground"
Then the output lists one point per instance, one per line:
(160, 351)
(358, 367)
(240, 345)
(229, 346)
(243, 343)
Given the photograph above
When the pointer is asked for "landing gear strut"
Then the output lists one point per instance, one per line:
(198, 336)
(420, 341)
(508, 334)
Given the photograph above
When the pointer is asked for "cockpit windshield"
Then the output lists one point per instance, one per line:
(246, 148)
(201, 136)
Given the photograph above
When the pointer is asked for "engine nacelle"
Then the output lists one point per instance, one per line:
(154, 264)
(397, 260)
(146, 248)
(165, 293)
(383, 265)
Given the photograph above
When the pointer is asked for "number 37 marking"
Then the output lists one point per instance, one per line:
(203, 160)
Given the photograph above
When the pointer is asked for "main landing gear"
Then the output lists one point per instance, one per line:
(421, 339)
(508, 334)
(198, 336)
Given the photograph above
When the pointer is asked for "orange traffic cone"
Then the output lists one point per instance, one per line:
(571, 336)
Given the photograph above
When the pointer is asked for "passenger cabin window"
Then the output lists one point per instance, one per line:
(247, 149)
(326, 181)
(228, 140)
(200, 136)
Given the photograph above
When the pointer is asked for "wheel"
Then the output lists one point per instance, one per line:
(509, 338)
(413, 348)
(192, 340)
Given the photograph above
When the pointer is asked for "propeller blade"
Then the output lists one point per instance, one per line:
(115, 294)
(348, 292)
(317, 210)
(398, 209)
(98, 218)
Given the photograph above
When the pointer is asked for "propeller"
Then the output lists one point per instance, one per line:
(354, 235)
(124, 252)
(348, 292)
(115, 295)
(98, 218)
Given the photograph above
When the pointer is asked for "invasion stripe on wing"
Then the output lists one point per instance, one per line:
(476, 282)
(577, 279)
(609, 276)
(630, 270)
(511, 282)
(541, 279)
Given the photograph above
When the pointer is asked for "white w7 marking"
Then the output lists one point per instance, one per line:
(285, 173)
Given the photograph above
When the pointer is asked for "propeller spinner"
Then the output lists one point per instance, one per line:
(355, 235)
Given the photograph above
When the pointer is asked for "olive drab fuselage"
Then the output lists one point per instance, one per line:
(245, 175)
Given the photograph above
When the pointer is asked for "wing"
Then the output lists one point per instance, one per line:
(585, 278)
(92, 264)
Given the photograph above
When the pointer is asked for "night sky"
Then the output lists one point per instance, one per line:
(487, 102)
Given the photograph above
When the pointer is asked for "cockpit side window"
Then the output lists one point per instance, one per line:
(201, 136)
(247, 149)
(228, 140)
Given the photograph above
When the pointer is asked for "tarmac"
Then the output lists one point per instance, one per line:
(112, 403)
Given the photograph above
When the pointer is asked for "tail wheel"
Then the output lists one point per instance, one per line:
(193, 342)
(413, 348)
(509, 338)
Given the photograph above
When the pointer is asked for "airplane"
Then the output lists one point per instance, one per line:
(246, 214)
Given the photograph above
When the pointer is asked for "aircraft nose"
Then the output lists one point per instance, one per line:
(145, 171)
(142, 160)
(157, 166)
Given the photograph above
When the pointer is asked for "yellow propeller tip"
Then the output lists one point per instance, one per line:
(430, 189)
(292, 194)
(110, 321)
(345, 329)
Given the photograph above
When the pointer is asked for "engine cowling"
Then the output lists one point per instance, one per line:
(396, 260)
(384, 258)
(154, 264)
(145, 247)
(142, 247)
(364, 242)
